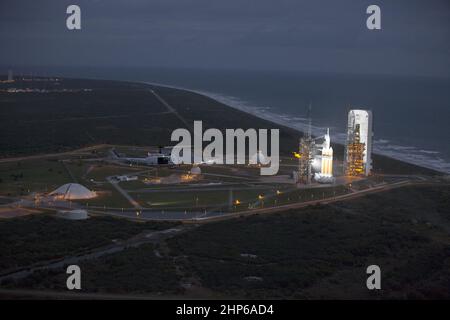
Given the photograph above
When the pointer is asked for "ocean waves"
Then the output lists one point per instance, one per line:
(431, 159)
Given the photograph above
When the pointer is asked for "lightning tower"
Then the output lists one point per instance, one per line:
(305, 154)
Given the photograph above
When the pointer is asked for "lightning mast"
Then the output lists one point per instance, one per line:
(305, 152)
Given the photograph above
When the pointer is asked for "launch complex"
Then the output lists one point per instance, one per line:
(315, 160)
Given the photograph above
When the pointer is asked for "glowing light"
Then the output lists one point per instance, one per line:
(278, 192)
(187, 177)
(237, 202)
(260, 197)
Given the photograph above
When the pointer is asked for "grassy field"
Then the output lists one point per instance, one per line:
(320, 252)
(182, 199)
(256, 197)
(110, 113)
(21, 178)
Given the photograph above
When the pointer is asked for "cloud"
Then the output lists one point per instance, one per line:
(287, 34)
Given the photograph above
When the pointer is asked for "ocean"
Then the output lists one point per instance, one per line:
(411, 114)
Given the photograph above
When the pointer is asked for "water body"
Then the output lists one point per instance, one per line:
(411, 114)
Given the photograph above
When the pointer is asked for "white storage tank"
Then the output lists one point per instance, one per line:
(78, 214)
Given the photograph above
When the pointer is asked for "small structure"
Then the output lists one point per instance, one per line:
(196, 170)
(258, 158)
(73, 191)
(126, 178)
(78, 214)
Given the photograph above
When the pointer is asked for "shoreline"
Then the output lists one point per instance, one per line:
(393, 152)
(337, 138)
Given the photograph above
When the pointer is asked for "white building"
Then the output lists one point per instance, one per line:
(364, 119)
(73, 191)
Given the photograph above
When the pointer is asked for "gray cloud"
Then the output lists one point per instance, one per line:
(324, 35)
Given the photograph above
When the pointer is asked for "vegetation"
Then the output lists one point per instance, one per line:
(323, 251)
(60, 121)
(316, 252)
(23, 177)
(136, 270)
(31, 239)
(125, 114)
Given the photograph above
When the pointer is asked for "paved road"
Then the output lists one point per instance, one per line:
(207, 216)
(125, 194)
(201, 215)
(52, 155)
(50, 294)
(143, 238)
(156, 236)
(72, 177)
(205, 187)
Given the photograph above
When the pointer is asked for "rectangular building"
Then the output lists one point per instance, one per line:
(359, 128)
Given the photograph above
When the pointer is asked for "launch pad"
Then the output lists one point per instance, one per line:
(315, 160)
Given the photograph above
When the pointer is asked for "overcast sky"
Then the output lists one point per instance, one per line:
(313, 35)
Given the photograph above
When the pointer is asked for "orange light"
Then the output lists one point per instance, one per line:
(237, 202)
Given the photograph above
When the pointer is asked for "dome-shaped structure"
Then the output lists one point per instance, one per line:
(196, 170)
(73, 191)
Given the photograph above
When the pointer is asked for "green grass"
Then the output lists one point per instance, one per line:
(23, 177)
(181, 199)
(198, 198)
(109, 197)
(133, 185)
(77, 168)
